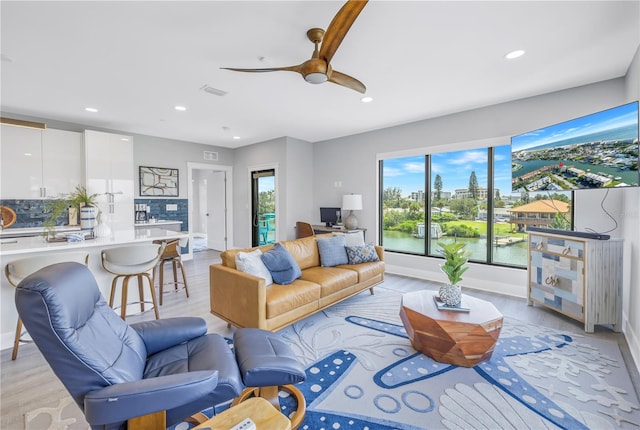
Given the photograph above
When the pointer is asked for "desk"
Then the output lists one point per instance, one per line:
(261, 412)
(321, 229)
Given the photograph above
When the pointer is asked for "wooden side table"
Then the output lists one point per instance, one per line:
(460, 338)
(261, 412)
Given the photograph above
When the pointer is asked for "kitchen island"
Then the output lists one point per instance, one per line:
(15, 248)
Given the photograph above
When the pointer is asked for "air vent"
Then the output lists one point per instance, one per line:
(210, 156)
(214, 91)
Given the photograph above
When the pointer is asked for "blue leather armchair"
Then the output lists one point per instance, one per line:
(116, 371)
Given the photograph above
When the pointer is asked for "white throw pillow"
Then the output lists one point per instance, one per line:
(251, 263)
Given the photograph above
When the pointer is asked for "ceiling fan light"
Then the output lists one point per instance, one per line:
(315, 78)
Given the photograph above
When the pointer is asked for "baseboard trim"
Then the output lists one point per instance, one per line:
(632, 340)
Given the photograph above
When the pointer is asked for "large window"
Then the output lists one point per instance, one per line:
(464, 196)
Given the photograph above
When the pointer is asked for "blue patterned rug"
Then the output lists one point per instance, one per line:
(362, 373)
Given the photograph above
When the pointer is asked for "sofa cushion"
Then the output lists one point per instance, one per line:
(366, 271)
(284, 298)
(281, 264)
(229, 256)
(330, 279)
(332, 251)
(352, 238)
(251, 263)
(362, 254)
(304, 251)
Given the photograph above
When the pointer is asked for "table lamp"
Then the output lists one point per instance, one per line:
(351, 202)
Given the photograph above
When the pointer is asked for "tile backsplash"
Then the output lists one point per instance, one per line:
(33, 213)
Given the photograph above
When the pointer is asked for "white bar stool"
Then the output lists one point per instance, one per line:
(132, 261)
(171, 255)
(17, 270)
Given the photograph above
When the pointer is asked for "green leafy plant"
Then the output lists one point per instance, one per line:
(80, 197)
(456, 258)
(56, 208)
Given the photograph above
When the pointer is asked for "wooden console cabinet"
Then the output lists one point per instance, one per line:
(578, 277)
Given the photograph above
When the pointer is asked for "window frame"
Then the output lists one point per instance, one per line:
(427, 153)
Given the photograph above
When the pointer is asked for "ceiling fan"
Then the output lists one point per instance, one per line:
(318, 69)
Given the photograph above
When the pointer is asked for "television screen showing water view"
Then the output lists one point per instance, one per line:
(595, 151)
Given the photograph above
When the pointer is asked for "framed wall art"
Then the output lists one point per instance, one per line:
(158, 181)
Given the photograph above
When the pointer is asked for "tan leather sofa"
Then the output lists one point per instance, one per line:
(243, 300)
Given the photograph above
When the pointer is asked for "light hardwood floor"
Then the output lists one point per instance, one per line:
(28, 383)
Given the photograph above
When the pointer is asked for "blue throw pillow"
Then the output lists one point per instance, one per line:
(332, 251)
(362, 254)
(281, 265)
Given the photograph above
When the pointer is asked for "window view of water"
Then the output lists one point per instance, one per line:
(515, 254)
(627, 176)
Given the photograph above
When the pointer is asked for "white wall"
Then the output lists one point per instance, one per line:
(294, 176)
(630, 218)
(299, 186)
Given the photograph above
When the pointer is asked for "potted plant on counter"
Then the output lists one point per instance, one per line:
(87, 205)
(80, 200)
(455, 260)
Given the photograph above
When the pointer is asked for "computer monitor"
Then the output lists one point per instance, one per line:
(329, 216)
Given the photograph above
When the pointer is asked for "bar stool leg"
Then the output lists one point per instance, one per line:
(113, 291)
(123, 299)
(153, 295)
(175, 274)
(184, 278)
(161, 284)
(16, 342)
(140, 292)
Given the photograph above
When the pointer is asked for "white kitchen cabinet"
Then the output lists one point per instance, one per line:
(109, 172)
(39, 163)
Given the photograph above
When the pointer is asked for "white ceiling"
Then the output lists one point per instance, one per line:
(134, 61)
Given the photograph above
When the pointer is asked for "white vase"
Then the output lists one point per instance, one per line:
(450, 295)
(88, 217)
(102, 230)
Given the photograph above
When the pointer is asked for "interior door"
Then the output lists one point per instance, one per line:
(263, 202)
(216, 214)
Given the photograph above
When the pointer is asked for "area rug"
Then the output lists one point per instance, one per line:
(362, 373)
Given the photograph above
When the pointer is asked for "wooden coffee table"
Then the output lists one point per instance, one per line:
(261, 411)
(460, 338)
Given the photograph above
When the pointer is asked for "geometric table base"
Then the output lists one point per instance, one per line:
(460, 338)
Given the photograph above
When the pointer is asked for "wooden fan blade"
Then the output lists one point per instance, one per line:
(340, 25)
(270, 69)
(347, 81)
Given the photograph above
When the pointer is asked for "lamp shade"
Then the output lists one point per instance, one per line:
(352, 202)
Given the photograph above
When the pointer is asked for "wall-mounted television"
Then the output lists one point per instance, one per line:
(329, 216)
(594, 151)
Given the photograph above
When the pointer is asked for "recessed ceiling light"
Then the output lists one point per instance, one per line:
(90, 109)
(27, 154)
(236, 137)
(366, 99)
(180, 108)
(514, 54)
(124, 139)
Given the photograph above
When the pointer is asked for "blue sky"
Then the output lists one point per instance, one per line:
(609, 119)
(454, 168)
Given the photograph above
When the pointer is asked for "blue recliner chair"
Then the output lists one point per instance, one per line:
(117, 372)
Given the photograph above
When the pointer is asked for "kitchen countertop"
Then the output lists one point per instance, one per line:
(157, 222)
(26, 245)
(35, 231)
